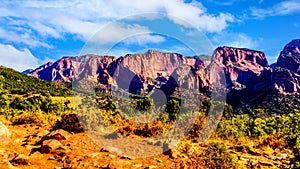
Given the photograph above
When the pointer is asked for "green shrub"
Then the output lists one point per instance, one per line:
(217, 156)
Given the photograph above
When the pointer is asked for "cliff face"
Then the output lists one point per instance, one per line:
(286, 75)
(124, 69)
(244, 72)
(242, 67)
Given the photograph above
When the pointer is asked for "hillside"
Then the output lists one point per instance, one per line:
(18, 83)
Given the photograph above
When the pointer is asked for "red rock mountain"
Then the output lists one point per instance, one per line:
(286, 75)
(244, 72)
(123, 69)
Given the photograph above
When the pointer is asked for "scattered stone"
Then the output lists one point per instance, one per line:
(118, 164)
(112, 156)
(30, 147)
(43, 133)
(158, 143)
(266, 163)
(137, 165)
(4, 133)
(284, 156)
(18, 140)
(158, 160)
(151, 167)
(111, 150)
(126, 157)
(168, 145)
(174, 153)
(51, 158)
(113, 135)
(93, 155)
(50, 146)
(59, 135)
(20, 159)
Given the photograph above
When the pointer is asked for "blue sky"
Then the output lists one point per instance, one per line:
(35, 32)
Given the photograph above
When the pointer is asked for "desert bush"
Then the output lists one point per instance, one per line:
(28, 117)
(217, 156)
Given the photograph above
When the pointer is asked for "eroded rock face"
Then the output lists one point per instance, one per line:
(244, 72)
(122, 71)
(286, 75)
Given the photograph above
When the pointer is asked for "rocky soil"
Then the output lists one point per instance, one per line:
(39, 146)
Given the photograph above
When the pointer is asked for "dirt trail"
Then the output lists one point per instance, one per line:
(29, 148)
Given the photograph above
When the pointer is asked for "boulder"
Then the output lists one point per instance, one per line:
(59, 135)
(49, 146)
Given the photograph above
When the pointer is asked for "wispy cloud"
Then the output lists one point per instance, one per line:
(20, 60)
(239, 40)
(50, 18)
(144, 39)
(279, 9)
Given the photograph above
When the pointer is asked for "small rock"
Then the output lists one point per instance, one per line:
(158, 143)
(174, 153)
(151, 167)
(137, 165)
(113, 135)
(4, 133)
(158, 160)
(118, 164)
(168, 145)
(30, 147)
(59, 135)
(51, 158)
(43, 133)
(111, 150)
(112, 156)
(18, 140)
(50, 146)
(266, 163)
(126, 157)
(284, 156)
(92, 155)
(20, 159)
(36, 154)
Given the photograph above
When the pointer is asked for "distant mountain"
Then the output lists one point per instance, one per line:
(122, 70)
(27, 71)
(245, 72)
(17, 83)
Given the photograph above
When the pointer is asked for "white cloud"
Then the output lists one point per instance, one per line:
(22, 38)
(19, 60)
(116, 32)
(144, 39)
(238, 40)
(81, 18)
(279, 9)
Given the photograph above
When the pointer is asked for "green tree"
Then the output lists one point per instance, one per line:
(173, 109)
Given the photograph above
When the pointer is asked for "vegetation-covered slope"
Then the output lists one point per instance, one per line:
(18, 83)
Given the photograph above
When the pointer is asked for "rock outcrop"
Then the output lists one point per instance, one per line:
(286, 75)
(244, 72)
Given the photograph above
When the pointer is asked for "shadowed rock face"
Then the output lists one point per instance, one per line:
(244, 72)
(286, 75)
(123, 70)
